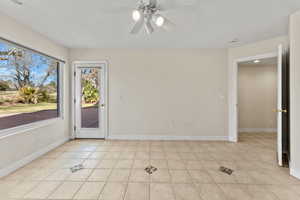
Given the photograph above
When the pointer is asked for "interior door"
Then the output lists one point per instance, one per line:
(283, 107)
(279, 105)
(90, 100)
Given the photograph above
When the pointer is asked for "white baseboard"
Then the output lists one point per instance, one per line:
(20, 163)
(232, 139)
(161, 137)
(258, 130)
(295, 173)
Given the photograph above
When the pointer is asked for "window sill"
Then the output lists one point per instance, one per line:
(28, 127)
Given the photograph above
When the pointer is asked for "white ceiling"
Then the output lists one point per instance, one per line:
(199, 23)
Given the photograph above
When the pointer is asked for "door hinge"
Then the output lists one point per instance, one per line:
(74, 100)
(74, 128)
(74, 73)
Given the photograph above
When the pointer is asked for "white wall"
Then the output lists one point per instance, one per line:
(165, 93)
(295, 93)
(19, 148)
(254, 49)
(257, 97)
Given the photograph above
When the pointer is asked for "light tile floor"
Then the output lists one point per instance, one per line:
(187, 170)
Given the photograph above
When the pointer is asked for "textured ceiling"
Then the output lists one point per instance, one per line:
(199, 23)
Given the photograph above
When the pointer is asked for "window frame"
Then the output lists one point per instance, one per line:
(42, 123)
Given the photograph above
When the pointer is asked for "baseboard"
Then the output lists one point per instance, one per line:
(161, 137)
(16, 165)
(295, 173)
(258, 130)
(232, 139)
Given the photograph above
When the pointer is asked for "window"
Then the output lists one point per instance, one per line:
(29, 86)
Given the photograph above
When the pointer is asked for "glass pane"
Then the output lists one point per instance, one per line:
(90, 97)
(29, 86)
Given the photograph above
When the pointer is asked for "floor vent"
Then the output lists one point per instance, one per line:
(226, 170)
(76, 168)
(150, 169)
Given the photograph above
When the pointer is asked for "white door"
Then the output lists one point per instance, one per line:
(279, 105)
(90, 100)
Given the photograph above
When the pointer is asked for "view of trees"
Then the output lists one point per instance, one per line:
(90, 86)
(26, 77)
(29, 87)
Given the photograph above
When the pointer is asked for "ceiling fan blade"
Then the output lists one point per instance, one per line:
(149, 28)
(168, 25)
(137, 26)
(17, 2)
(153, 3)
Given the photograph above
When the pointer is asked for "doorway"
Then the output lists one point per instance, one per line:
(90, 100)
(282, 107)
(257, 96)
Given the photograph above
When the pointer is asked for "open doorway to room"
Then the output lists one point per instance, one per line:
(255, 100)
(257, 96)
(257, 103)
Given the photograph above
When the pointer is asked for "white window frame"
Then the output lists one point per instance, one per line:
(42, 123)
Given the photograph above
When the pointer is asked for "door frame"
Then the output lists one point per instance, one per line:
(233, 103)
(73, 95)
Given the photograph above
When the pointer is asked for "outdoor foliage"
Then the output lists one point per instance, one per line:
(4, 86)
(29, 95)
(43, 96)
(90, 92)
(32, 95)
(28, 86)
(25, 68)
(32, 76)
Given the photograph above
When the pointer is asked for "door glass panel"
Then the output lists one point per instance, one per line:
(90, 97)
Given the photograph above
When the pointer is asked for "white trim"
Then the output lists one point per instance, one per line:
(233, 94)
(295, 173)
(258, 130)
(73, 106)
(72, 109)
(28, 127)
(16, 165)
(279, 104)
(61, 99)
(162, 137)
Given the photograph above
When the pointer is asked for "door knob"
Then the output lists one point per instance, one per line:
(102, 105)
(282, 111)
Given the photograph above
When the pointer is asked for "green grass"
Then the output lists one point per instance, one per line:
(26, 108)
(7, 96)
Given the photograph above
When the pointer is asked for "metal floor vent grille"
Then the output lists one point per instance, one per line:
(150, 169)
(76, 168)
(226, 170)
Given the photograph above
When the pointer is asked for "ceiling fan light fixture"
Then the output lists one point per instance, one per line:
(146, 15)
(136, 15)
(159, 21)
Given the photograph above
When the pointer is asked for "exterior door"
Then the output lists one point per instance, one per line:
(90, 100)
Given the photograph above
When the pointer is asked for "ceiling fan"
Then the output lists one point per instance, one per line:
(146, 14)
